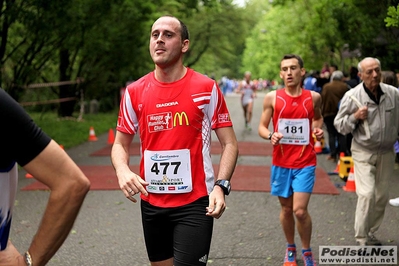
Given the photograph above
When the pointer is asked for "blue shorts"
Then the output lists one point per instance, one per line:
(285, 181)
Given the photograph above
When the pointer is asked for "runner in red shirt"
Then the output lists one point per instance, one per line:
(296, 115)
(174, 110)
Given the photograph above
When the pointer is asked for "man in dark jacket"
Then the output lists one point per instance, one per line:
(331, 94)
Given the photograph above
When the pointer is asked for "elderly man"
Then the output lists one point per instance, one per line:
(370, 111)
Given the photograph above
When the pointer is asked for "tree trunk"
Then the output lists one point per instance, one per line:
(66, 108)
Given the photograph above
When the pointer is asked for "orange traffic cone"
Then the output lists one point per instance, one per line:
(342, 154)
(317, 147)
(111, 136)
(350, 183)
(28, 175)
(92, 135)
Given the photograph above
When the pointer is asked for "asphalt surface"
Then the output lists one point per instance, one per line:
(108, 229)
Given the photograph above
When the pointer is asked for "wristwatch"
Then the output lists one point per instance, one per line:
(225, 185)
(28, 259)
(270, 135)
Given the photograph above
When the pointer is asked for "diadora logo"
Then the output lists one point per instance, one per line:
(178, 117)
(160, 105)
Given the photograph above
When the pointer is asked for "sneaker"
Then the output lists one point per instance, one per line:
(394, 202)
(361, 242)
(373, 241)
(308, 259)
(290, 257)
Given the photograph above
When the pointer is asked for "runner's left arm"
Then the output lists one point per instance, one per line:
(228, 160)
(317, 122)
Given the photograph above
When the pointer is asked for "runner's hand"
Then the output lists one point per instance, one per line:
(11, 257)
(132, 184)
(276, 138)
(217, 204)
(318, 132)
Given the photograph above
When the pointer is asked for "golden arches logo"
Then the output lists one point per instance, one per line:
(179, 116)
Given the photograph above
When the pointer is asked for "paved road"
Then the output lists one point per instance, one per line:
(108, 229)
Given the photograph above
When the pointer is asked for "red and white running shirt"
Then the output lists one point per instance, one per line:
(174, 121)
(293, 118)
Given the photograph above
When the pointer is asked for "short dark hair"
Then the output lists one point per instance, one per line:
(389, 77)
(290, 56)
(183, 28)
(353, 72)
(184, 31)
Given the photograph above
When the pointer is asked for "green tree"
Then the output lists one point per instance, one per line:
(217, 39)
(26, 44)
(392, 20)
(334, 31)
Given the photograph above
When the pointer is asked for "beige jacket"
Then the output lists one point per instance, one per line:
(379, 132)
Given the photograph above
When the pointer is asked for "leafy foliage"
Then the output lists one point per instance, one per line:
(393, 17)
(338, 32)
(105, 42)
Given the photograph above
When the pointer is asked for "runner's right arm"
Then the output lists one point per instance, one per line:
(128, 181)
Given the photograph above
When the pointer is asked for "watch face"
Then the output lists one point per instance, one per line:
(225, 185)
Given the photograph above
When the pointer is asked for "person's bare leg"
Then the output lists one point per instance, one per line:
(168, 262)
(249, 112)
(244, 107)
(304, 221)
(287, 219)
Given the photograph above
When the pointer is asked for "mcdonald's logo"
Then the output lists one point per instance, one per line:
(180, 116)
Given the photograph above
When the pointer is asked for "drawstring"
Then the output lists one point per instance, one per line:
(300, 155)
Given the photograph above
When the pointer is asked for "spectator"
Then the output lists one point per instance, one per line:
(353, 77)
(325, 71)
(331, 94)
(389, 77)
(310, 82)
(373, 138)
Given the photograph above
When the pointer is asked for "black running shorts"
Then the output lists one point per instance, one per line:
(183, 233)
